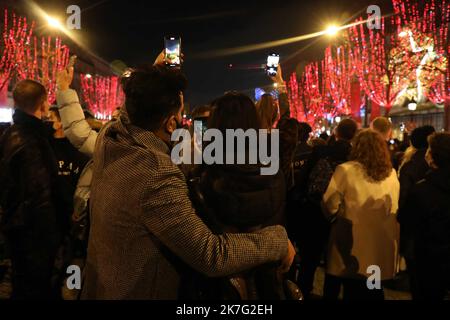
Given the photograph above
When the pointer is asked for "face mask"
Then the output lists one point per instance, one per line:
(49, 125)
(179, 125)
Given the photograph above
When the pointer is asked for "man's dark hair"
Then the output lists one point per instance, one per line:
(304, 129)
(346, 129)
(152, 94)
(419, 136)
(440, 149)
(28, 94)
(234, 111)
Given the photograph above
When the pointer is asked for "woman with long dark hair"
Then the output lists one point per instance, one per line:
(236, 198)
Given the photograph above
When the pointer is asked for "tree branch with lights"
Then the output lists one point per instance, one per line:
(102, 95)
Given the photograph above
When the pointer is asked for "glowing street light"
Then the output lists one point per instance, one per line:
(54, 23)
(88, 76)
(412, 106)
(332, 30)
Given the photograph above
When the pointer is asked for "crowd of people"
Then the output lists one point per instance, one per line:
(149, 229)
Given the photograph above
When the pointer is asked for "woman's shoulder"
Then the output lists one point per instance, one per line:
(349, 166)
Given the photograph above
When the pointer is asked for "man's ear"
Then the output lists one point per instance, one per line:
(170, 125)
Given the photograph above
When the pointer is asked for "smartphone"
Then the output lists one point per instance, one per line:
(273, 60)
(173, 51)
(200, 127)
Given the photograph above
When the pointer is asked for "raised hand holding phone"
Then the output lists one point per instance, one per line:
(278, 79)
(273, 61)
(64, 77)
(172, 51)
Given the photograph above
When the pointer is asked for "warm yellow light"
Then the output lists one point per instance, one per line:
(332, 30)
(403, 34)
(54, 23)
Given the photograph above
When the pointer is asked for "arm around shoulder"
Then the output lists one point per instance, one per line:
(169, 215)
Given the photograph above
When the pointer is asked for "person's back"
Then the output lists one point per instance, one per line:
(30, 201)
(433, 239)
(414, 167)
(311, 228)
(237, 198)
(302, 153)
(364, 223)
(70, 163)
(426, 220)
(362, 202)
(143, 226)
(119, 242)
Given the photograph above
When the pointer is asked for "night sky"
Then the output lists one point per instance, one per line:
(133, 31)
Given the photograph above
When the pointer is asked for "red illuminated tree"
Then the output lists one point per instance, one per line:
(16, 36)
(428, 27)
(102, 94)
(42, 61)
(337, 72)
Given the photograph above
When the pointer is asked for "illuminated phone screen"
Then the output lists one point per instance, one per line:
(199, 129)
(173, 51)
(272, 64)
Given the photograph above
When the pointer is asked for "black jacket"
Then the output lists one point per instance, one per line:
(29, 195)
(412, 172)
(235, 199)
(70, 165)
(239, 196)
(425, 219)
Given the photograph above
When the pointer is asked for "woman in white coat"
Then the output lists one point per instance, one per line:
(362, 201)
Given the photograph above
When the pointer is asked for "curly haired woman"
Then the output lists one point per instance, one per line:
(362, 200)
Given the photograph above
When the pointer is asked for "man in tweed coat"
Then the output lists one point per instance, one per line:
(141, 216)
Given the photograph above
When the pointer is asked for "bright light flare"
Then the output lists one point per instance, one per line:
(332, 30)
(54, 23)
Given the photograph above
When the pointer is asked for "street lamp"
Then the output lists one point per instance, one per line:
(332, 30)
(412, 106)
(54, 23)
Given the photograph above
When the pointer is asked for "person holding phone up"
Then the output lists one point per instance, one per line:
(136, 185)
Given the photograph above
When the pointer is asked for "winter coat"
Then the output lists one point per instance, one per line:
(236, 199)
(31, 200)
(143, 225)
(365, 230)
(425, 219)
(75, 126)
(412, 172)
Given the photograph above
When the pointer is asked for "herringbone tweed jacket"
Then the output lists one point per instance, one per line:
(140, 208)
